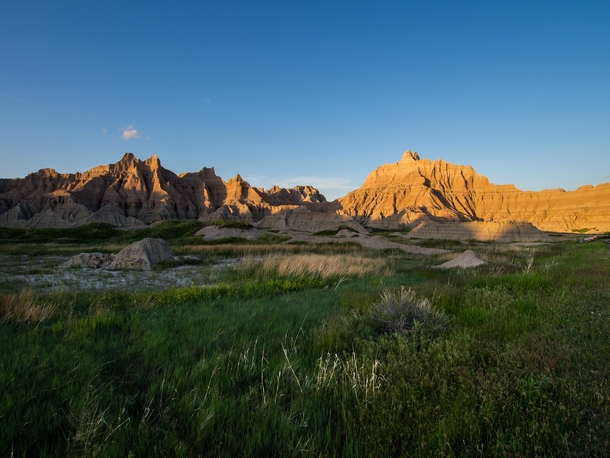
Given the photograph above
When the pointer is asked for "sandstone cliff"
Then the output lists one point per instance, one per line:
(412, 190)
(134, 192)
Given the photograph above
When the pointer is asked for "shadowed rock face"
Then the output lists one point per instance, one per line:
(411, 191)
(134, 192)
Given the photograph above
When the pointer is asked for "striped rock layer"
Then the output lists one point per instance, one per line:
(411, 191)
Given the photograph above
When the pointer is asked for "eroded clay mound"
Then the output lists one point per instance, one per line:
(140, 255)
(210, 233)
(497, 231)
(301, 219)
(467, 259)
(91, 260)
(346, 233)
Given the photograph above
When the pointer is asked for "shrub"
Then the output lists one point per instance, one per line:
(404, 312)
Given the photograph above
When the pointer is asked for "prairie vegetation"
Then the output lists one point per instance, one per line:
(342, 352)
(317, 265)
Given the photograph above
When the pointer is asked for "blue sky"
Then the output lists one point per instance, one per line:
(309, 92)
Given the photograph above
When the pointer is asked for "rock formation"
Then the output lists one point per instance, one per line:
(210, 233)
(496, 231)
(399, 195)
(134, 192)
(92, 260)
(302, 219)
(410, 191)
(141, 255)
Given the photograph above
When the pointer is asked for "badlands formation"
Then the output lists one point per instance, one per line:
(134, 193)
(413, 190)
(433, 198)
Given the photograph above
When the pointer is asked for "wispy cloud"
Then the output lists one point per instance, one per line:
(129, 132)
(104, 130)
(16, 98)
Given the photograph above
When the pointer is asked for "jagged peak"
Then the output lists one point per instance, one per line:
(128, 158)
(47, 172)
(409, 156)
(153, 162)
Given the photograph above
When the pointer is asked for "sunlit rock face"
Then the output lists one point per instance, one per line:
(413, 190)
(132, 192)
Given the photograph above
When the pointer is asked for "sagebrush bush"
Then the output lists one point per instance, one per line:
(404, 312)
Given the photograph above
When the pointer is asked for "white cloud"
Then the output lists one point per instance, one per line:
(104, 130)
(129, 132)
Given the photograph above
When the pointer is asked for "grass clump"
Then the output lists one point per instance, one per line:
(23, 308)
(316, 265)
(404, 312)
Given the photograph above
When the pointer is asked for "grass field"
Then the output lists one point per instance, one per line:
(341, 352)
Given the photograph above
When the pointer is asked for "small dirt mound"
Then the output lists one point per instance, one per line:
(467, 259)
(346, 233)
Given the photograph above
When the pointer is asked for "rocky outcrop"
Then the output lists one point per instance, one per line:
(91, 260)
(413, 190)
(404, 194)
(140, 255)
(210, 233)
(302, 219)
(112, 214)
(497, 231)
(132, 192)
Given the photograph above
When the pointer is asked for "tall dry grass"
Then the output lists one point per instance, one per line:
(322, 266)
(22, 307)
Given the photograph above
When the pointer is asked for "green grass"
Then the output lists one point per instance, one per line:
(378, 231)
(229, 223)
(444, 244)
(36, 241)
(300, 366)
